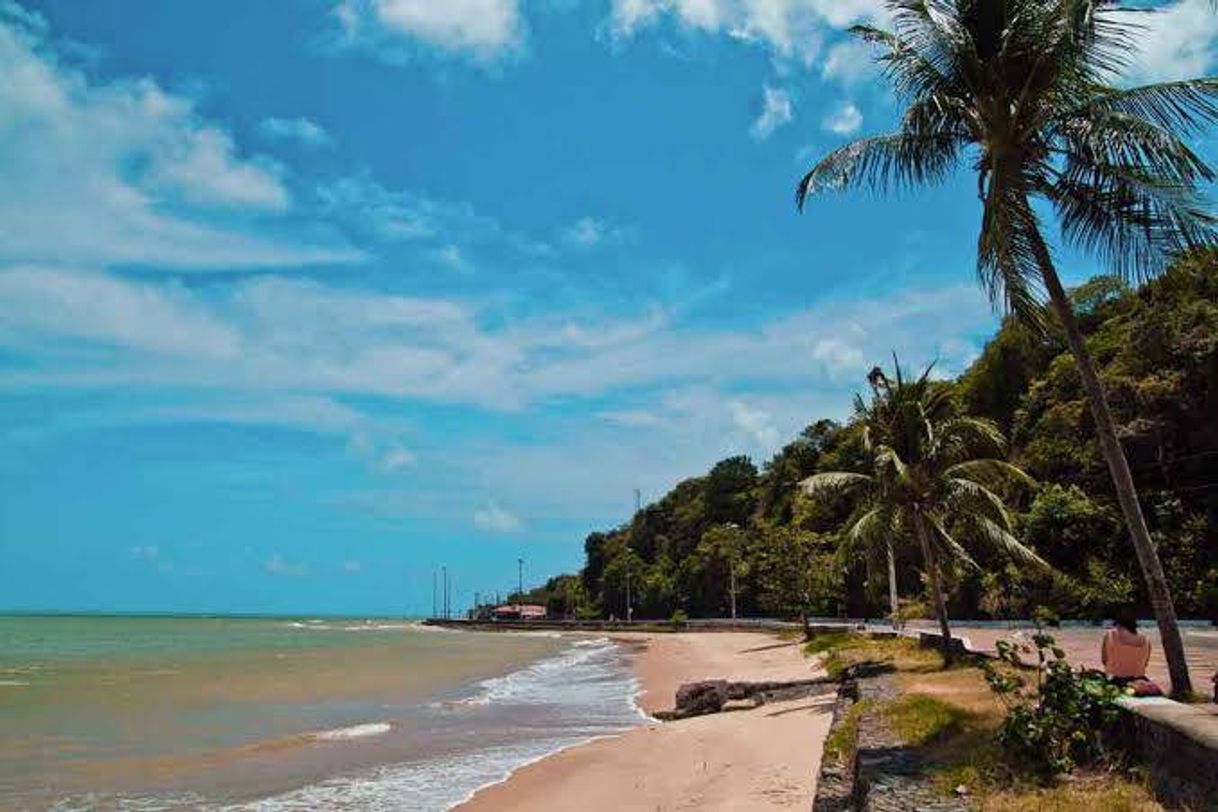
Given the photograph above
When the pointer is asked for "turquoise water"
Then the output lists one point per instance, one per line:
(170, 713)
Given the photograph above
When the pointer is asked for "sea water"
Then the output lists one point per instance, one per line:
(134, 713)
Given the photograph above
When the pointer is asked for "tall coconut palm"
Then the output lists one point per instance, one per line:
(1024, 89)
(933, 481)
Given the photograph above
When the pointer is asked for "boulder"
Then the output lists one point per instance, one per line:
(698, 698)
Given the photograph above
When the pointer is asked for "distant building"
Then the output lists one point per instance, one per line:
(519, 611)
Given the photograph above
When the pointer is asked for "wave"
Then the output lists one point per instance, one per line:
(354, 732)
(583, 693)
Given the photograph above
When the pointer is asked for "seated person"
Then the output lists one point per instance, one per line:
(1125, 652)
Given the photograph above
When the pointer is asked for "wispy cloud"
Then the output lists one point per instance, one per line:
(302, 130)
(588, 232)
(756, 423)
(496, 519)
(845, 119)
(776, 111)
(126, 172)
(1176, 41)
(277, 565)
(277, 335)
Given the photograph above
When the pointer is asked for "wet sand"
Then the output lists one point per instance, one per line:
(765, 758)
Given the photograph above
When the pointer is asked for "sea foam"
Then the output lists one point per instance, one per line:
(582, 693)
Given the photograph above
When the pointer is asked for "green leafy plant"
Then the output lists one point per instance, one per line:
(679, 620)
(1057, 722)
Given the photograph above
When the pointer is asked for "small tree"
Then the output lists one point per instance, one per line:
(933, 479)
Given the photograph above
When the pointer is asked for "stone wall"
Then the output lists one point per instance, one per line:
(1178, 745)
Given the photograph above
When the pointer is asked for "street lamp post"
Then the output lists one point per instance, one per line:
(519, 583)
(629, 607)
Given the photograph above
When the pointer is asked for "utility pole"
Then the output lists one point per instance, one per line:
(519, 582)
(629, 608)
(638, 500)
(733, 566)
(444, 569)
(433, 594)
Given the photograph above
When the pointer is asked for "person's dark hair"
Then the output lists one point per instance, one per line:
(1126, 620)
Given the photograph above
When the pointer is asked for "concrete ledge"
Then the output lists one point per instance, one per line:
(1178, 744)
(836, 784)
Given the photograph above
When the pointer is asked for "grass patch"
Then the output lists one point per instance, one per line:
(840, 650)
(842, 739)
(951, 716)
(820, 643)
(1104, 792)
(919, 719)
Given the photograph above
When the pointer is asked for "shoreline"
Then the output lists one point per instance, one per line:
(763, 758)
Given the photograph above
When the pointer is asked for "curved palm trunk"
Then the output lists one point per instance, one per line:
(936, 587)
(893, 603)
(1122, 479)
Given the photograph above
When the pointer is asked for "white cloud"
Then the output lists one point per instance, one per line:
(789, 29)
(481, 29)
(587, 232)
(136, 316)
(1178, 41)
(368, 210)
(775, 112)
(125, 172)
(146, 552)
(396, 458)
(352, 567)
(279, 337)
(277, 565)
(301, 129)
(844, 120)
(850, 62)
(495, 519)
(755, 422)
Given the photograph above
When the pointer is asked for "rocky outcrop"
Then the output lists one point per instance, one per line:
(699, 698)
(712, 696)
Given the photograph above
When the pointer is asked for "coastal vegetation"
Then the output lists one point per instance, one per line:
(1030, 91)
(936, 476)
(1156, 352)
(965, 731)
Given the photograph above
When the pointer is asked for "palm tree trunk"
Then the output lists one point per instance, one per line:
(1122, 479)
(936, 587)
(893, 604)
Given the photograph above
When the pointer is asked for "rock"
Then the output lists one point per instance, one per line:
(698, 698)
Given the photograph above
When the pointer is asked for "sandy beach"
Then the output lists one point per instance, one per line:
(758, 759)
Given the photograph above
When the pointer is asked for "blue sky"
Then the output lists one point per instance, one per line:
(301, 300)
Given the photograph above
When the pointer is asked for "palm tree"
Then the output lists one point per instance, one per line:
(1025, 87)
(933, 479)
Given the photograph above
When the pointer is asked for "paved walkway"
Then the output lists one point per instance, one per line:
(1082, 646)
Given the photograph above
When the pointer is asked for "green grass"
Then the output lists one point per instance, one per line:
(919, 719)
(843, 739)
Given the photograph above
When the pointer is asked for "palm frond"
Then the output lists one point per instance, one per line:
(949, 545)
(834, 483)
(968, 496)
(990, 472)
(883, 163)
(1186, 106)
(1003, 541)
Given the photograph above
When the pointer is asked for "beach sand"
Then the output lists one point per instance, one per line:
(758, 759)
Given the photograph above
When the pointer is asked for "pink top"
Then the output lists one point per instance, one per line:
(1125, 653)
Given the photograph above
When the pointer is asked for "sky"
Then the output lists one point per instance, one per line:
(301, 300)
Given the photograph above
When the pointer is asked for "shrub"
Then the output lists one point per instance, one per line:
(679, 620)
(1060, 721)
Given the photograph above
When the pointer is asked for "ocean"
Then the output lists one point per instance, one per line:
(152, 713)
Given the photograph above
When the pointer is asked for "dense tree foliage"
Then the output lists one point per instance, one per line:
(1156, 349)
